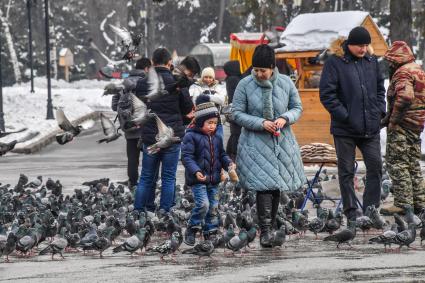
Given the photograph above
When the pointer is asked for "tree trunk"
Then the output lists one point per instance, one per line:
(401, 21)
(9, 40)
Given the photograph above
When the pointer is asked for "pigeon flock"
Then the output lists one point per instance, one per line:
(36, 218)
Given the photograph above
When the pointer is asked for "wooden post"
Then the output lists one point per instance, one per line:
(67, 73)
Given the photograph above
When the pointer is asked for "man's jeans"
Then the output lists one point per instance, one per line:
(145, 193)
(205, 213)
(346, 153)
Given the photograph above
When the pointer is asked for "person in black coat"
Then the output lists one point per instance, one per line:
(122, 105)
(352, 90)
(233, 73)
(170, 108)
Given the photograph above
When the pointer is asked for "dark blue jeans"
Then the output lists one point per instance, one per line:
(205, 213)
(145, 193)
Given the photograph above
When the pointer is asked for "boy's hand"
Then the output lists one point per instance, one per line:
(200, 177)
(232, 166)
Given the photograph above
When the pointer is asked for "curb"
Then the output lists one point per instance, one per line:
(49, 138)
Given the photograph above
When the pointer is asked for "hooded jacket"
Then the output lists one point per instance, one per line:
(352, 91)
(205, 154)
(406, 93)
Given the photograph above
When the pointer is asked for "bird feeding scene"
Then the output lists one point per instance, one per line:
(212, 141)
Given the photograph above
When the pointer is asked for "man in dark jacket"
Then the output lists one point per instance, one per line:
(170, 108)
(352, 90)
(122, 105)
(233, 73)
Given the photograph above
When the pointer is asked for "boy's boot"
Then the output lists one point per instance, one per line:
(264, 211)
(190, 235)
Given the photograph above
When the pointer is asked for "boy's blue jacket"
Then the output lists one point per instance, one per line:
(205, 154)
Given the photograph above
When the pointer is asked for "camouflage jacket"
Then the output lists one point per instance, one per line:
(406, 93)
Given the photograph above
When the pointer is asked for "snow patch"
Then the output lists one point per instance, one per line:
(23, 109)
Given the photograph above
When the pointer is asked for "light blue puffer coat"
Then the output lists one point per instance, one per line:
(265, 162)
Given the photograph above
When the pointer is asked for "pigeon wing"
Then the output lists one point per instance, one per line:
(63, 121)
(123, 34)
(108, 127)
(153, 82)
(139, 108)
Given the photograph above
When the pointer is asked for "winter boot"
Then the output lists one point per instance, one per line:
(275, 207)
(190, 235)
(211, 235)
(264, 212)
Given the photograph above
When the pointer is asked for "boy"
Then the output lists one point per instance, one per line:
(203, 157)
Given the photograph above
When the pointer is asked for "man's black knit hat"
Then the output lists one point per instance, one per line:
(263, 57)
(358, 36)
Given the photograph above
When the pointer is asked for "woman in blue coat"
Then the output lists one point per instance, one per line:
(265, 104)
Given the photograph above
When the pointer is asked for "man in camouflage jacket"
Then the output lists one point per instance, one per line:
(405, 121)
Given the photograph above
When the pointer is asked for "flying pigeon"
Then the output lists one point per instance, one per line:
(129, 40)
(109, 130)
(156, 87)
(6, 147)
(141, 114)
(164, 138)
(70, 131)
(3, 134)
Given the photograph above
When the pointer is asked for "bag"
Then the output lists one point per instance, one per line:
(124, 111)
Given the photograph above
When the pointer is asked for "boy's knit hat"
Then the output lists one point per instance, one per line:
(204, 110)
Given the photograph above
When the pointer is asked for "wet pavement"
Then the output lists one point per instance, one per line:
(300, 260)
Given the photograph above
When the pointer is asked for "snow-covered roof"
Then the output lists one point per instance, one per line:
(316, 31)
(63, 51)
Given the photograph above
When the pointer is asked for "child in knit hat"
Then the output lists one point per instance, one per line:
(204, 157)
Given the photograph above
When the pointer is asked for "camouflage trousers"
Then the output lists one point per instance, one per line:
(402, 158)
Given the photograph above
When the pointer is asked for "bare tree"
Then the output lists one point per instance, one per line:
(401, 21)
(4, 21)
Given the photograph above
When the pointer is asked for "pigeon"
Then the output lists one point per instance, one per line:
(104, 181)
(169, 246)
(36, 183)
(402, 225)
(156, 87)
(111, 88)
(57, 246)
(299, 221)
(406, 237)
(134, 243)
(378, 222)
(364, 223)
(344, 236)
(410, 217)
(238, 241)
(204, 248)
(70, 131)
(164, 138)
(141, 114)
(3, 134)
(386, 238)
(6, 147)
(317, 224)
(109, 130)
(129, 40)
(9, 246)
(385, 189)
(332, 224)
(221, 242)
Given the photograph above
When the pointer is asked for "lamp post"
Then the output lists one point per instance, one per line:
(29, 5)
(49, 87)
(1, 95)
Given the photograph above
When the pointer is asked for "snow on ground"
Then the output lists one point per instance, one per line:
(23, 109)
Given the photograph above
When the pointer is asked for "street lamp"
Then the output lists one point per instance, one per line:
(29, 5)
(1, 95)
(49, 87)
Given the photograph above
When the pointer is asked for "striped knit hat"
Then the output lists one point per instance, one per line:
(204, 110)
